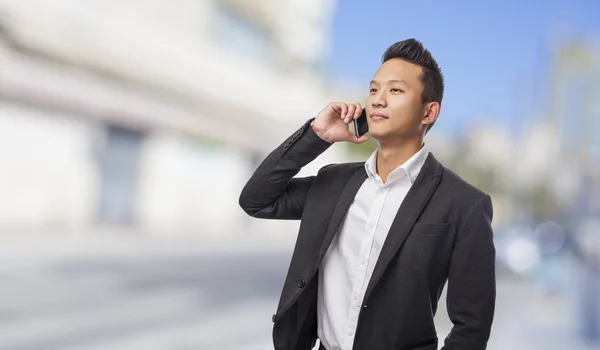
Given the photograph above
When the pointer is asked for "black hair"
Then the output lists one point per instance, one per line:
(413, 51)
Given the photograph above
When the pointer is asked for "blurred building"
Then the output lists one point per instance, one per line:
(150, 114)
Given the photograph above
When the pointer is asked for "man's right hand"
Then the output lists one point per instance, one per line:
(331, 124)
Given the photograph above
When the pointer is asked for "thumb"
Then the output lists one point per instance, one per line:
(352, 138)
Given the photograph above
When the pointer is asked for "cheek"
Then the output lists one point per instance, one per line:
(405, 108)
(401, 109)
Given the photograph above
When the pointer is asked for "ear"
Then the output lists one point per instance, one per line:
(431, 112)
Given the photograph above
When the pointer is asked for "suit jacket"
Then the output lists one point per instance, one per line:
(442, 232)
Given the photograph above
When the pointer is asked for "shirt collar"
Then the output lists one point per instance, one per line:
(410, 168)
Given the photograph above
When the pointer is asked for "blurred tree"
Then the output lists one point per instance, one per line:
(362, 151)
(207, 143)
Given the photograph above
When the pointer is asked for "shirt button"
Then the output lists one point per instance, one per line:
(363, 262)
(350, 333)
(355, 297)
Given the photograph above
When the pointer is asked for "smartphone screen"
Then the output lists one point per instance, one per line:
(361, 126)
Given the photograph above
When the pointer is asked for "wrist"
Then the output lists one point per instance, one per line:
(318, 132)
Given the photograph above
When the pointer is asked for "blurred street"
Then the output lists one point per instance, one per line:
(135, 298)
(136, 292)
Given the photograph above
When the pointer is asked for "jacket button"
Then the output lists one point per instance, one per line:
(301, 283)
(274, 318)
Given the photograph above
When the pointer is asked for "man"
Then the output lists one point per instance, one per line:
(379, 239)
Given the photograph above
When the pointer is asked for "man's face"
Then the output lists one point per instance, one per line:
(395, 93)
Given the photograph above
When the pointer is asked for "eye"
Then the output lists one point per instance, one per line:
(396, 90)
(373, 90)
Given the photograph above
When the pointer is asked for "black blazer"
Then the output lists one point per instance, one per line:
(442, 232)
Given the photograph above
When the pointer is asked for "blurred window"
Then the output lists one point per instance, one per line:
(242, 33)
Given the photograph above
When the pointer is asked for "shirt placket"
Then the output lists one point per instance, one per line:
(363, 262)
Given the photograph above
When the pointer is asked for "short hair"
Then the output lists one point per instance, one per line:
(413, 51)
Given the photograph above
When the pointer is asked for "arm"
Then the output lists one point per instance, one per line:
(472, 280)
(272, 192)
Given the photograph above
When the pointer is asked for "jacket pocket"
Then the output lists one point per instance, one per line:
(430, 344)
(432, 229)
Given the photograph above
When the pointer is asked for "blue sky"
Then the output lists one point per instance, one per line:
(494, 54)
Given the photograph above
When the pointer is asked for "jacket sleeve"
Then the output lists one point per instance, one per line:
(272, 191)
(471, 294)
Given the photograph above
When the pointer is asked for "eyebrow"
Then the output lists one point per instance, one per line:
(399, 81)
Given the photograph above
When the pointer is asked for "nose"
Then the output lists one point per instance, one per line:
(378, 101)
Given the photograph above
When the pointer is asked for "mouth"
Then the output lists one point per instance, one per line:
(378, 116)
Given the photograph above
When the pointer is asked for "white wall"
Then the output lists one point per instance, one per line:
(185, 186)
(47, 175)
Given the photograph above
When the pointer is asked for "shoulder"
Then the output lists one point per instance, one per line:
(463, 195)
(460, 187)
(340, 167)
(338, 172)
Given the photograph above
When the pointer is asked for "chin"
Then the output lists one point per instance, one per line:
(379, 136)
(379, 133)
(394, 136)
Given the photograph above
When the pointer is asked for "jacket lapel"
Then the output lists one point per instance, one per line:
(417, 197)
(342, 206)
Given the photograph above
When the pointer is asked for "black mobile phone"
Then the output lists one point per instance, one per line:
(361, 126)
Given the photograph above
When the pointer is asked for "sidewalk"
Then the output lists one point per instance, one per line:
(30, 254)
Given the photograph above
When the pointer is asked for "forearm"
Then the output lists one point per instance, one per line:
(271, 191)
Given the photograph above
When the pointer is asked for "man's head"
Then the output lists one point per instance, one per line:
(407, 89)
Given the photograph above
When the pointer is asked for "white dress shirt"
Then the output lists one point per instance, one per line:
(349, 262)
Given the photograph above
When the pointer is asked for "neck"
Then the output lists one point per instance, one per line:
(391, 156)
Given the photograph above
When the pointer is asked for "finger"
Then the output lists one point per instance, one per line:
(336, 107)
(358, 111)
(351, 111)
(344, 108)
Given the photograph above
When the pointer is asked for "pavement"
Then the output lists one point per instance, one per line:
(124, 292)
